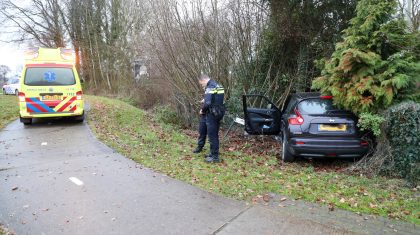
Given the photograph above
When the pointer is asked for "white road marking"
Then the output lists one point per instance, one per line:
(76, 181)
(44, 143)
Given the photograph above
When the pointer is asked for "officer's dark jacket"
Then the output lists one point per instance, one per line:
(217, 91)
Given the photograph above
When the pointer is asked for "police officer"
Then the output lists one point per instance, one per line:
(212, 112)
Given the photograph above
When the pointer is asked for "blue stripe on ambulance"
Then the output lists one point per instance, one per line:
(44, 106)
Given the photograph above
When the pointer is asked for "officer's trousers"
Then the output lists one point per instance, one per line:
(213, 126)
(202, 131)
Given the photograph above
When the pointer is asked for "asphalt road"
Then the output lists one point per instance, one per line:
(56, 178)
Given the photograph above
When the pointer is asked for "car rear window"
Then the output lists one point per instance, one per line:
(49, 77)
(316, 106)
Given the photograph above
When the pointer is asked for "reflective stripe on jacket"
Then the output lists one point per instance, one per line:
(216, 90)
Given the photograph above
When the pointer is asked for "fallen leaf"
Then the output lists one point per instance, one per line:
(266, 198)
(342, 200)
(254, 200)
(331, 207)
(14, 188)
(283, 199)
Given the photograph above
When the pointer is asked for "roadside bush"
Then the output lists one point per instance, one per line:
(398, 150)
(402, 129)
(368, 121)
(165, 114)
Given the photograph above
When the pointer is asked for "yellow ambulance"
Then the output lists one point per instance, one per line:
(50, 86)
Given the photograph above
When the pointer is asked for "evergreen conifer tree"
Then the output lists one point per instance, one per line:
(377, 63)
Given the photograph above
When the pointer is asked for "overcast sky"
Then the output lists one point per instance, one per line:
(11, 55)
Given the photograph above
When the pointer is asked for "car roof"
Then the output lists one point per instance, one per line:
(305, 95)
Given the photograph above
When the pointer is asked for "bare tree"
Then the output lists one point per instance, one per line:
(37, 21)
(4, 70)
(410, 9)
(204, 37)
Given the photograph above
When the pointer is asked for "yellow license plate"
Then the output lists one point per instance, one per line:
(51, 97)
(325, 127)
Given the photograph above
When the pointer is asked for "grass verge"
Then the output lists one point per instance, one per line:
(9, 109)
(244, 174)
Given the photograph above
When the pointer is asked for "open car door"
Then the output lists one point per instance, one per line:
(262, 117)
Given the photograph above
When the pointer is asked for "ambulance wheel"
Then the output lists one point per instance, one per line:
(16, 92)
(26, 121)
(4, 92)
(80, 118)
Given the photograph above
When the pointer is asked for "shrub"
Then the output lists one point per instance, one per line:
(402, 129)
(397, 152)
(165, 114)
(368, 121)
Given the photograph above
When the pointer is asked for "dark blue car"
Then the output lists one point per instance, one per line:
(309, 126)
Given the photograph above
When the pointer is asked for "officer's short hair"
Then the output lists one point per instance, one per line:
(203, 77)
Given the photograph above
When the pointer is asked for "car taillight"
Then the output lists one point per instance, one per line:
(298, 120)
(21, 97)
(300, 142)
(79, 95)
(326, 97)
(364, 143)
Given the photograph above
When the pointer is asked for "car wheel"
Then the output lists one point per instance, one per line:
(26, 121)
(4, 92)
(286, 156)
(16, 92)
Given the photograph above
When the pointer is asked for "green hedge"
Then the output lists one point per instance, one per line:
(403, 132)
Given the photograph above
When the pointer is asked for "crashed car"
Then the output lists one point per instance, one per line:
(308, 124)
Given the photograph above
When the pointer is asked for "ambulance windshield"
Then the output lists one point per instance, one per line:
(43, 76)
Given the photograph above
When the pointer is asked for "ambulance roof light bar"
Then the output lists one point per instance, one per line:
(31, 53)
(68, 54)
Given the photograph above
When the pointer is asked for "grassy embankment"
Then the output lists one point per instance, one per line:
(9, 109)
(244, 174)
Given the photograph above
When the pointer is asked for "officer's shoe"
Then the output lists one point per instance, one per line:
(212, 159)
(198, 150)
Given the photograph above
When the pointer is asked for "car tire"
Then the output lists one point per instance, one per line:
(286, 156)
(4, 92)
(26, 121)
(16, 92)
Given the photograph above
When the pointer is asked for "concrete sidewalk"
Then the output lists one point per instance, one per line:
(56, 178)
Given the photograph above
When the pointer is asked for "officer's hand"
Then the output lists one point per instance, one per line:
(201, 112)
(202, 101)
